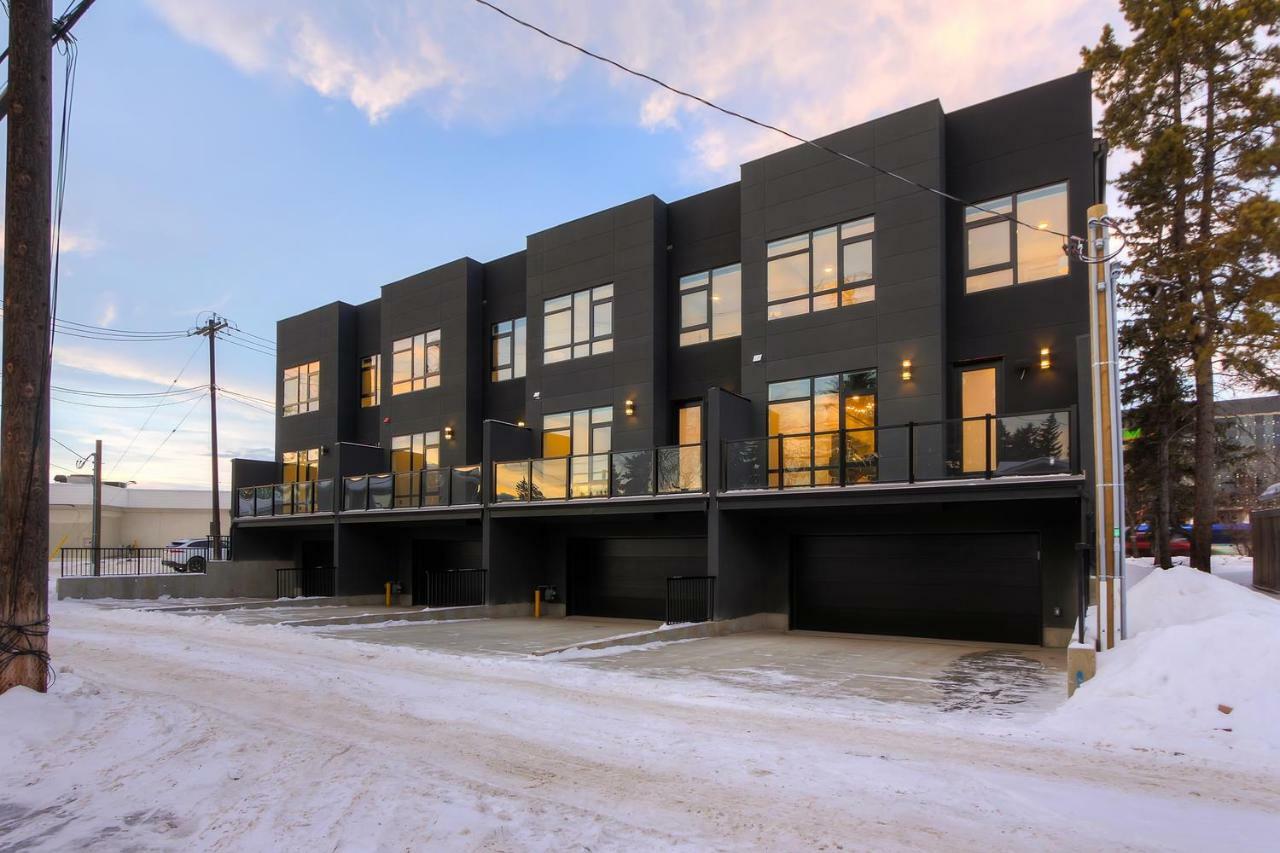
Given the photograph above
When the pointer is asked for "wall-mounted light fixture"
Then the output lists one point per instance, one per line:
(1045, 360)
(537, 395)
(519, 423)
(448, 433)
(906, 370)
(629, 407)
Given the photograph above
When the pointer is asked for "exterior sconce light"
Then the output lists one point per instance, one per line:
(629, 407)
(906, 370)
(448, 433)
(1045, 361)
(520, 423)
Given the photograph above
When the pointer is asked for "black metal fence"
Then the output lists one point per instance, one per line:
(111, 562)
(691, 599)
(314, 582)
(454, 588)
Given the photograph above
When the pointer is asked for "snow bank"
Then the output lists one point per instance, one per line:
(1197, 642)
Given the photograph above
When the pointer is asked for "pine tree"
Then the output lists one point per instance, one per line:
(1194, 98)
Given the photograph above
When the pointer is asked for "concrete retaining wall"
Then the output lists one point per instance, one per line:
(240, 579)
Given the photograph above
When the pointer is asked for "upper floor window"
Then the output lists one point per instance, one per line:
(415, 362)
(578, 324)
(409, 455)
(580, 433)
(300, 466)
(822, 269)
(508, 350)
(711, 305)
(370, 381)
(1000, 252)
(301, 389)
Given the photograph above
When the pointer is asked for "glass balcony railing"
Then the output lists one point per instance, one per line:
(429, 487)
(994, 446)
(303, 498)
(621, 473)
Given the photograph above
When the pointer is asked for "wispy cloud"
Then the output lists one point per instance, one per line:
(814, 66)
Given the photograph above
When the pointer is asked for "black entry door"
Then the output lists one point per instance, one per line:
(627, 577)
(956, 586)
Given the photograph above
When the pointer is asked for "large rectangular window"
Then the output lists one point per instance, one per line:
(585, 435)
(577, 325)
(300, 466)
(415, 362)
(409, 455)
(823, 269)
(711, 305)
(810, 419)
(370, 381)
(1000, 252)
(508, 350)
(301, 389)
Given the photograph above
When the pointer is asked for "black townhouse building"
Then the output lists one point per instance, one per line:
(818, 391)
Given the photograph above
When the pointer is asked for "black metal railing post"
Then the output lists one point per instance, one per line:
(986, 425)
(911, 451)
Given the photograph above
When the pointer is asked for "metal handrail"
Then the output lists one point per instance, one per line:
(450, 488)
(301, 497)
(775, 468)
(537, 476)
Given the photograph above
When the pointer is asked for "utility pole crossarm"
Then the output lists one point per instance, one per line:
(60, 31)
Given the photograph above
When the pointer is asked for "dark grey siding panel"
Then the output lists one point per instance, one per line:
(625, 246)
(369, 337)
(802, 189)
(1027, 139)
(504, 299)
(327, 335)
(627, 578)
(446, 298)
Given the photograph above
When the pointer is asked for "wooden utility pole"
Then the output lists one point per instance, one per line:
(210, 330)
(97, 507)
(24, 425)
(1108, 470)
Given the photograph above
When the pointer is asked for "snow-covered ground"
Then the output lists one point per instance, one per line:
(166, 731)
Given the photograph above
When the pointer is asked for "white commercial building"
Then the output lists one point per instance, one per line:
(130, 516)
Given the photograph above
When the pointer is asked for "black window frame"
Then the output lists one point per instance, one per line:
(419, 381)
(593, 342)
(982, 219)
(707, 288)
(510, 334)
(843, 292)
(300, 405)
(371, 367)
(772, 472)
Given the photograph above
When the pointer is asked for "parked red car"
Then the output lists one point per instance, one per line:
(1140, 544)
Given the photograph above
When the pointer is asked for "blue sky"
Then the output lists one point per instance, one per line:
(259, 163)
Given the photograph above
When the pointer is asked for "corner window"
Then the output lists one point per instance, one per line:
(301, 389)
(999, 252)
(508, 350)
(711, 305)
(578, 324)
(415, 363)
(300, 466)
(810, 419)
(823, 269)
(370, 381)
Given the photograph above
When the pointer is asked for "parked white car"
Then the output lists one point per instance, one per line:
(187, 555)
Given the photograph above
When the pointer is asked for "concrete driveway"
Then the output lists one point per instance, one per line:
(951, 676)
(508, 636)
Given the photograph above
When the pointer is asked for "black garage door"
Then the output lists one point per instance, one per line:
(956, 586)
(628, 577)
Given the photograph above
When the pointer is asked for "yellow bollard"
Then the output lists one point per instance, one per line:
(388, 593)
(537, 604)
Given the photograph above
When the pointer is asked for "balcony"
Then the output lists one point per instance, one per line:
(423, 489)
(302, 498)
(659, 471)
(989, 447)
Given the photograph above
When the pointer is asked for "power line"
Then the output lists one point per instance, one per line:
(267, 341)
(69, 450)
(185, 365)
(255, 407)
(165, 440)
(1074, 245)
(147, 405)
(246, 346)
(180, 391)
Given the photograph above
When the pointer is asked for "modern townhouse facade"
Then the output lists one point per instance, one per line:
(817, 391)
